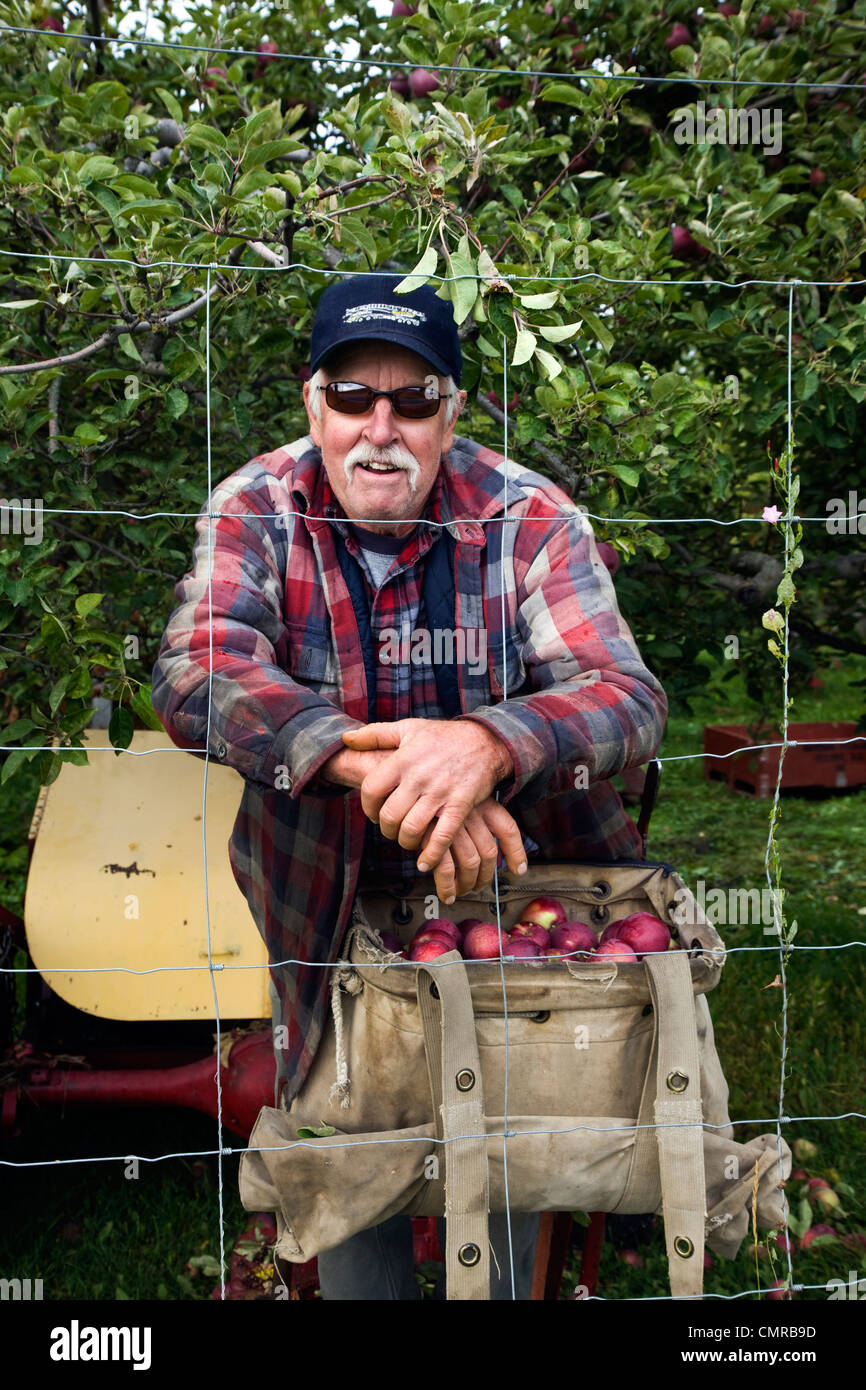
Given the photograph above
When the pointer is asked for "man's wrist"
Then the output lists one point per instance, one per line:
(503, 764)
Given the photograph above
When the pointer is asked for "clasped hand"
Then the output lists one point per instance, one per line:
(428, 786)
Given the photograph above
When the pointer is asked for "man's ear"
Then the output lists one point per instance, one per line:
(315, 423)
(448, 437)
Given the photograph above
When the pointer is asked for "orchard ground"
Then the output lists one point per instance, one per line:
(89, 1232)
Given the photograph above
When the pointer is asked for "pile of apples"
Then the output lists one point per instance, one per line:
(543, 932)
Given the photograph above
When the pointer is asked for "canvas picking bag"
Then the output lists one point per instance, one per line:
(615, 1099)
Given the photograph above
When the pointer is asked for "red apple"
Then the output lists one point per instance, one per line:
(497, 400)
(631, 1257)
(531, 931)
(422, 82)
(303, 374)
(429, 950)
(400, 85)
(553, 953)
(814, 1232)
(266, 50)
(616, 950)
(643, 932)
(679, 35)
(777, 1291)
(766, 24)
(822, 1192)
(547, 912)
(399, 7)
(503, 103)
(684, 246)
(609, 554)
(573, 936)
(424, 936)
(51, 22)
(804, 1149)
(442, 924)
(482, 942)
(728, 8)
(817, 177)
(520, 947)
(211, 73)
(795, 19)
(390, 941)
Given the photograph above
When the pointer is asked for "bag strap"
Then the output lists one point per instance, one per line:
(679, 1112)
(454, 1065)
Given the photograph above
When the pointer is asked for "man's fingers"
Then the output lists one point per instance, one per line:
(373, 736)
(485, 847)
(507, 832)
(449, 822)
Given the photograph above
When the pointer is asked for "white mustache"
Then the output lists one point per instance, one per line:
(393, 454)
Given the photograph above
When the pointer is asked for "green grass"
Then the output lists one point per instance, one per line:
(90, 1233)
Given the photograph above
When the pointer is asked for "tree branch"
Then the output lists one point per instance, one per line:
(110, 336)
(555, 463)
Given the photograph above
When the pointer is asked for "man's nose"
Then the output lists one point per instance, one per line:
(380, 428)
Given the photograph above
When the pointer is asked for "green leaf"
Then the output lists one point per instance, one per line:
(171, 104)
(98, 166)
(316, 1131)
(550, 365)
(57, 692)
(594, 323)
(120, 727)
(524, 347)
(463, 291)
(127, 345)
(20, 303)
(243, 418)
(539, 301)
(12, 762)
(563, 93)
(142, 706)
(269, 149)
(421, 274)
(85, 603)
(206, 137)
(557, 333)
(19, 728)
(666, 385)
(629, 476)
(176, 403)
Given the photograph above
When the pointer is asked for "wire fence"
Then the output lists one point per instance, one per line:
(785, 945)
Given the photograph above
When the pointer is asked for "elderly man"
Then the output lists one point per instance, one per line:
(336, 564)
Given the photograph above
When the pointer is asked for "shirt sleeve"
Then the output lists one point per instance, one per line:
(225, 647)
(593, 708)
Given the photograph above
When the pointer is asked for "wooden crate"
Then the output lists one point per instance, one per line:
(835, 766)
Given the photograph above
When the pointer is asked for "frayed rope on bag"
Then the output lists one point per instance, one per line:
(344, 978)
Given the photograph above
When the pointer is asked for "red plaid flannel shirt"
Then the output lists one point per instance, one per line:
(288, 678)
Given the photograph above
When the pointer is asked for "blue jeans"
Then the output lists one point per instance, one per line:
(378, 1264)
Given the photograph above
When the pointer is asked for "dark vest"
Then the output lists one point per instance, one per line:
(437, 609)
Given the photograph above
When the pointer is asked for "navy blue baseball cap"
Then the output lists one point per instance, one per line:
(365, 306)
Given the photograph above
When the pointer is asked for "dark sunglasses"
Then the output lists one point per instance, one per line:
(412, 402)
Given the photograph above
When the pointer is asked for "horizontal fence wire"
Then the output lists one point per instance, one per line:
(330, 59)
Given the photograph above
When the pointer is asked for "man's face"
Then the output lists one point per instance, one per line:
(350, 443)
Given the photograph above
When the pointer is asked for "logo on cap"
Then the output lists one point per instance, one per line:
(392, 313)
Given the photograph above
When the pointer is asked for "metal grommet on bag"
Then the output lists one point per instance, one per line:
(433, 990)
(465, 1079)
(677, 1081)
(469, 1254)
(540, 1017)
(600, 915)
(602, 889)
(684, 1247)
(401, 916)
